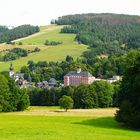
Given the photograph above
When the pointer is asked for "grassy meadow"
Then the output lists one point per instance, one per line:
(51, 123)
(47, 53)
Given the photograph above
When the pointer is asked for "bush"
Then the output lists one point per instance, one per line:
(20, 43)
(52, 43)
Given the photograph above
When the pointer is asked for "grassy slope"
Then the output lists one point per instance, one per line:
(16, 126)
(50, 53)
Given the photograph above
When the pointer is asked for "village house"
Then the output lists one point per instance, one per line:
(47, 84)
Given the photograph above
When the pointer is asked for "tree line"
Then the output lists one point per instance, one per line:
(99, 94)
(18, 32)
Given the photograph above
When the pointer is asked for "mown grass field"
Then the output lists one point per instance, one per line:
(47, 53)
(43, 123)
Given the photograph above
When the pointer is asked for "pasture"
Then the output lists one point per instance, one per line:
(48, 53)
(51, 123)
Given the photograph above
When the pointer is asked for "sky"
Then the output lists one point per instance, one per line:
(40, 12)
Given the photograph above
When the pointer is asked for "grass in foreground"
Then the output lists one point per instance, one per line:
(47, 53)
(23, 126)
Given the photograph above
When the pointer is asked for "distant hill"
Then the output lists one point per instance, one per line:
(7, 35)
(106, 33)
(103, 17)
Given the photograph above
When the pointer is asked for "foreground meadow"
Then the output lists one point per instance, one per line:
(43, 123)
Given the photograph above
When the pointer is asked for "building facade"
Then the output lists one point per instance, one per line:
(78, 77)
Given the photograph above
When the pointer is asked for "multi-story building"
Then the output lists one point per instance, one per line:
(78, 77)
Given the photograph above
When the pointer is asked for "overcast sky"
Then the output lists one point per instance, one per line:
(40, 12)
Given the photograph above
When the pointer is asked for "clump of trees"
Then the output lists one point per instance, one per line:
(12, 98)
(14, 54)
(52, 43)
(66, 102)
(18, 32)
(99, 94)
(129, 95)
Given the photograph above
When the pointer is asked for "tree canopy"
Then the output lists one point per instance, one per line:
(12, 98)
(66, 102)
(129, 95)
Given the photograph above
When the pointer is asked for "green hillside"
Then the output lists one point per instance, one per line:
(47, 53)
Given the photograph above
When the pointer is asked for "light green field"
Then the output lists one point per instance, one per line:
(43, 123)
(47, 53)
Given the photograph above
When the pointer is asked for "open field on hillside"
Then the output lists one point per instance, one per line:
(47, 53)
(43, 123)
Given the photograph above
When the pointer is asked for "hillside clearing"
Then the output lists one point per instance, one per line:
(47, 53)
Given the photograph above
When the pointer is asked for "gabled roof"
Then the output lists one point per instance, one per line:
(44, 82)
(52, 81)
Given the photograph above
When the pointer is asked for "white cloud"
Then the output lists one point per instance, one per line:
(40, 12)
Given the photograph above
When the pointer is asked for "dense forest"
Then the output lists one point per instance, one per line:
(107, 33)
(109, 36)
(17, 32)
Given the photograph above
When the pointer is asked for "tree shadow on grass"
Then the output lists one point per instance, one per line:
(58, 111)
(105, 122)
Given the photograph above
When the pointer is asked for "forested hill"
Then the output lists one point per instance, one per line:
(107, 33)
(7, 35)
(104, 18)
(3, 29)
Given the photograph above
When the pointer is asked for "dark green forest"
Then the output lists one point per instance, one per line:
(17, 32)
(107, 33)
(110, 38)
